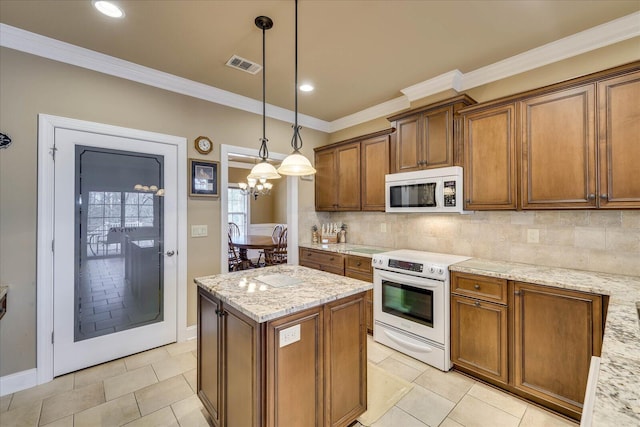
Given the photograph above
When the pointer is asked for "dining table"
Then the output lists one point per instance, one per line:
(252, 241)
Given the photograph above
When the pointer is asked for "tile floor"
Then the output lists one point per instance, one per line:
(157, 388)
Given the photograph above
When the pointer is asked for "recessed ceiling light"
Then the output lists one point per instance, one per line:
(108, 8)
(306, 87)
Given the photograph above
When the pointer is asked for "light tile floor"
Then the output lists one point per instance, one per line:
(157, 388)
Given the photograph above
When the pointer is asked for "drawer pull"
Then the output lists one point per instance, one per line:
(331, 259)
(477, 304)
(476, 286)
(358, 264)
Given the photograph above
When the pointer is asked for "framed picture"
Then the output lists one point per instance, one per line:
(204, 178)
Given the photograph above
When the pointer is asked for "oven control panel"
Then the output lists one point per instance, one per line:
(417, 263)
(406, 265)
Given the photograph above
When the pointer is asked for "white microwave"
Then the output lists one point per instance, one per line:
(429, 191)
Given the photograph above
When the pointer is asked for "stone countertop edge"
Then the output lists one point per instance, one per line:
(262, 302)
(617, 400)
(3, 290)
(345, 248)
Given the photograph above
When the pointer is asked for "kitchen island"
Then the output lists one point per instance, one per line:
(282, 346)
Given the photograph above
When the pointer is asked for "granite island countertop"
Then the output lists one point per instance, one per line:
(347, 248)
(618, 388)
(269, 293)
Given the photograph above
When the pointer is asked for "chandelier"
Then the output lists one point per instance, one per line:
(256, 187)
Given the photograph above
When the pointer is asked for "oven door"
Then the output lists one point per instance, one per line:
(413, 304)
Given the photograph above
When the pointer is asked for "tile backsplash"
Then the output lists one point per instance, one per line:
(607, 241)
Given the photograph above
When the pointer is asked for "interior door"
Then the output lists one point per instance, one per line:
(115, 237)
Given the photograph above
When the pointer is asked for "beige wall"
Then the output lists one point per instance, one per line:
(271, 209)
(30, 85)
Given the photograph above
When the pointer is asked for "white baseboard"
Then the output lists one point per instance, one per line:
(192, 332)
(19, 381)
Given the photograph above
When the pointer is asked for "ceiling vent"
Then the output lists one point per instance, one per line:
(240, 63)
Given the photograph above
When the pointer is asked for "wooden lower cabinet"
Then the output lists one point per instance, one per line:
(246, 378)
(555, 333)
(479, 339)
(537, 343)
(330, 262)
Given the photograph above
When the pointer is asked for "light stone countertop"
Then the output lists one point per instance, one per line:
(347, 248)
(617, 400)
(260, 301)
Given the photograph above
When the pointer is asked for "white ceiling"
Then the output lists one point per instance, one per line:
(358, 54)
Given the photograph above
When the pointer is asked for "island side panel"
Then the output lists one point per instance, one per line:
(209, 355)
(294, 372)
(345, 360)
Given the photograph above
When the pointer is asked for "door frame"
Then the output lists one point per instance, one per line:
(47, 125)
(292, 204)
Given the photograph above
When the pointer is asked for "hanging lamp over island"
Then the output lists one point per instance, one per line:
(263, 170)
(296, 164)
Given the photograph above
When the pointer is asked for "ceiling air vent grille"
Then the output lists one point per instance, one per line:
(240, 63)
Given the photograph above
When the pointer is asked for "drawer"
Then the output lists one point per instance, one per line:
(480, 287)
(328, 259)
(359, 263)
(365, 277)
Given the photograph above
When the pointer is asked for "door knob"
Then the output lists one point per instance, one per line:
(170, 253)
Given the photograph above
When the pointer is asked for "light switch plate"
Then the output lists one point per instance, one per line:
(199, 231)
(289, 335)
(533, 235)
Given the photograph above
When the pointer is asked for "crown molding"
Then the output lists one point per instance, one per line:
(606, 34)
(46, 47)
(381, 110)
(451, 80)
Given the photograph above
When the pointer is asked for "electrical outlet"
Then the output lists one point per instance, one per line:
(199, 231)
(289, 335)
(533, 235)
(383, 227)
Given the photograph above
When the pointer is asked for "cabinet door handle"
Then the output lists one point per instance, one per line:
(468, 201)
(517, 293)
(477, 304)
(591, 196)
(476, 286)
(604, 196)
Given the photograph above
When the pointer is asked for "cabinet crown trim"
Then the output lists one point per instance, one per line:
(464, 99)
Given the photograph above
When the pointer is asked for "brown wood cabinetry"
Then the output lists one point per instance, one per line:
(555, 333)
(619, 141)
(247, 377)
(424, 137)
(359, 267)
(575, 144)
(350, 174)
(338, 178)
(532, 340)
(558, 149)
(479, 340)
(374, 164)
(330, 262)
(490, 168)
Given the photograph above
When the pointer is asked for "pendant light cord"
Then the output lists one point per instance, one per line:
(264, 151)
(296, 129)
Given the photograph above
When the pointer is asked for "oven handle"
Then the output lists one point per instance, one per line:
(407, 344)
(419, 282)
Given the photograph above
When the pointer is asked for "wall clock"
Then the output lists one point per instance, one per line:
(203, 145)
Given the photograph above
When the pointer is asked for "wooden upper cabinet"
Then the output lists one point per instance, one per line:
(490, 168)
(338, 178)
(374, 153)
(619, 141)
(425, 137)
(558, 149)
(348, 176)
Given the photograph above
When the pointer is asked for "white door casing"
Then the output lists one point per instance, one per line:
(51, 128)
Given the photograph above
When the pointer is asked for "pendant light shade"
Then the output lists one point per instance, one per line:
(296, 164)
(263, 170)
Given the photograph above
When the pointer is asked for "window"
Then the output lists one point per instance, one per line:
(115, 209)
(238, 208)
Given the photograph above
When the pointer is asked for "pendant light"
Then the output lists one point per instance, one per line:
(263, 170)
(295, 163)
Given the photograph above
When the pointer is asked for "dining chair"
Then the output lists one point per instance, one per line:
(279, 254)
(235, 262)
(234, 230)
(275, 235)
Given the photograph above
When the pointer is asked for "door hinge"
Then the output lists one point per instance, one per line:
(53, 152)
(51, 337)
(52, 246)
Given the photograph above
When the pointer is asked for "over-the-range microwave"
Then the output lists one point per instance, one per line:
(429, 191)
